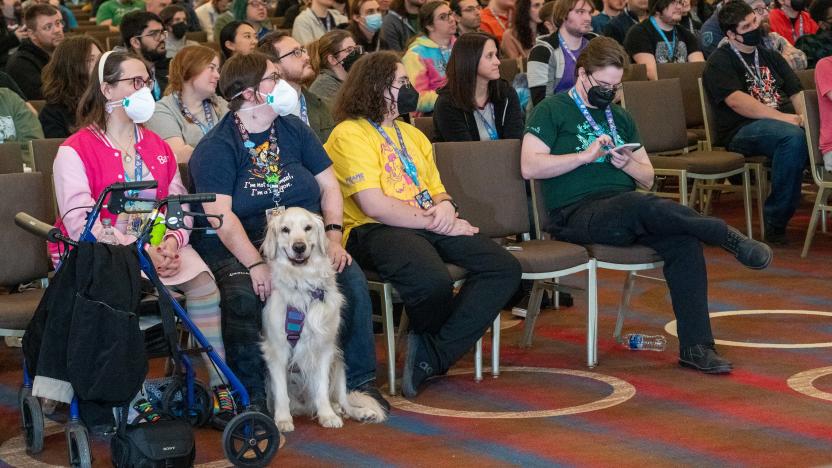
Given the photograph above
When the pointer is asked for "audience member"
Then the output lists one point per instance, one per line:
(818, 45)
(497, 17)
(191, 107)
(427, 55)
(12, 13)
(551, 67)
(689, 19)
(661, 40)
(237, 37)
(748, 87)
(156, 6)
(254, 12)
(468, 15)
(365, 24)
(10, 37)
(116, 103)
(208, 13)
(635, 13)
(175, 19)
(289, 10)
(331, 58)
(17, 121)
(384, 6)
(65, 79)
(789, 19)
(401, 223)
(488, 110)
(292, 62)
(526, 26)
(238, 161)
(823, 82)
(143, 34)
(590, 191)
(612, 8)
(316, 20)
(400, 24)
(111, 12)
(46, 32)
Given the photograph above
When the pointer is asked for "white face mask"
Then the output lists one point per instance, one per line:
(283, 99)
(139, 106)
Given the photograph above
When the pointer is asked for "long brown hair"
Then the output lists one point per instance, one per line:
(462, 71)
(362, 94)
(92, 109)
(66, 76)
(328, 44)
(186, 64)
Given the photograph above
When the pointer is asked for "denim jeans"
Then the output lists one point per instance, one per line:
(356, 336)
(785, 145)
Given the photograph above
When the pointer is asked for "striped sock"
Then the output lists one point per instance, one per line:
(204, 311)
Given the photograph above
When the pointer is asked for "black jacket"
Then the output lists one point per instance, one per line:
(8, 41)
(25, 66)
(57, 121)
(454, 124)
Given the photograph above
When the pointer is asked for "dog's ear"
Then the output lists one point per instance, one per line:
(269, 247)
(321, 241)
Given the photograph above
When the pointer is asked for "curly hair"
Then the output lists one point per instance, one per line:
(66, 75)
(522, 23)
(362, 94)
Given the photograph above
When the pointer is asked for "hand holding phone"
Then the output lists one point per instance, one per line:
(626, 146)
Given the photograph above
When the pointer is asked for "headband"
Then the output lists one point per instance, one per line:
(101, 62)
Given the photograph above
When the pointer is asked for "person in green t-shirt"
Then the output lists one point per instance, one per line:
(589, 190)
(111, 11)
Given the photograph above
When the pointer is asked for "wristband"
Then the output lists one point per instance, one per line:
(333, 227)
(261, 262)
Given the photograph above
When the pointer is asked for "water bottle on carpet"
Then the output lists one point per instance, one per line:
(639, 342)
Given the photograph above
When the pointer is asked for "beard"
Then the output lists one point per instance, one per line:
(153, 55)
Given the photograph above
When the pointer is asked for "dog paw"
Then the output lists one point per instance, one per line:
(284, 425)
(367, 415)
(333, 421)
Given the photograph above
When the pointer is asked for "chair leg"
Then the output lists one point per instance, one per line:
(389, 335)
(532, 312)
(495, 347)
(759, 175)
(592, 315)
(746, 198)
(478, 361)
(625, 304)
(813, 222)
(683, 192)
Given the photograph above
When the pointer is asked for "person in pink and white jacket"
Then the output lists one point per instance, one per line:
(112, 146)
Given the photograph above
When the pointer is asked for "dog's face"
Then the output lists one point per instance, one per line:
(295, 234)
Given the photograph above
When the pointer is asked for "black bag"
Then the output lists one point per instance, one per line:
(168, 443)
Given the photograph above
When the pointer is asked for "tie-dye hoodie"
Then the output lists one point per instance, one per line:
(425, 64)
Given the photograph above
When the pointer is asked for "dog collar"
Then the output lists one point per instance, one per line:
(295, 319)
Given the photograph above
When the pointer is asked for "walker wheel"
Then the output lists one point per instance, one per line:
(250, 440)
(198, 412)
(78, 446)
(32, 417)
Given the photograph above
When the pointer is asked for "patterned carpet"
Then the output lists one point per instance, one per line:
(634, 409)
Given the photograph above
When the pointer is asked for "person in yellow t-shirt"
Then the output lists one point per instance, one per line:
(401, 223)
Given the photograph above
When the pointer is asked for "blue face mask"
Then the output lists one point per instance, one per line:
(373, 22)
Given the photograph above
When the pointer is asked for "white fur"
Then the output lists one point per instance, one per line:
(319, 387)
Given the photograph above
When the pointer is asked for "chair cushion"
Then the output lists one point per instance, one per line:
(701, 162)
(630, 255)
(457, 273)
(543, 256)
(695, 135)
(16, 310)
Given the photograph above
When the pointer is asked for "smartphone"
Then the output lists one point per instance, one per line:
(629, 146)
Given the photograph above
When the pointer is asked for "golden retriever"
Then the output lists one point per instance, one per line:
(303, 279)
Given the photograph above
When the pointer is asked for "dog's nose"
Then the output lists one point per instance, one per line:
(299, 247)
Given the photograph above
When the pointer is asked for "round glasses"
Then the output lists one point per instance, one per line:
(138, 82)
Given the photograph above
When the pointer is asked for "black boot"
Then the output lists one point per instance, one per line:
(753, 254)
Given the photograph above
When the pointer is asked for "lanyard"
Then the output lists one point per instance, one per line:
(798, 33)
(327, 22)
(407, 162)
(492, 132)
(758, 76)
(304, 114)
(206, 109)
(566, 48)
(405, 22)
(671, 48)
(497, 18)
(595, 127)
(137, 166)
(268, 166)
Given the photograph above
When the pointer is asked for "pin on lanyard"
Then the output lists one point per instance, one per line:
(595, 127)
(407, 163)
(206, 109)
(758, 76)
(565, 48)
(304, 113)
(671, 48)
(268, 166)
(492, 132)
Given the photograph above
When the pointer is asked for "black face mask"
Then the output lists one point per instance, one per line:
(599, 96)
(407, 100)
(179, 30)
(798, 5)
(349, 60)
(752, 38)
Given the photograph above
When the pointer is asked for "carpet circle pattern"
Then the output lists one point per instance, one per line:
(803, 382)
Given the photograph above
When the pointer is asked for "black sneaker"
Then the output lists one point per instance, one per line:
(776, 235)
(753, 254)
(417, 367)
(370, 389)
(705, 359)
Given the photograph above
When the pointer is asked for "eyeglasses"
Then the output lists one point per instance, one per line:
(138, 82)
(257, 4)
(471, 9)
(349, 50)
(761, 11)
(58, 24)
(156, 34)
(274, 76)
(611, 87)
(446, 17)
(298, 53)
(402, 83)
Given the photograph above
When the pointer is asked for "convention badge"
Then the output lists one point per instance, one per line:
(276, 211)
(134, 223)
(424, 200)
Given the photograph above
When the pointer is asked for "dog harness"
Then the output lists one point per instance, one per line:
(295, 319)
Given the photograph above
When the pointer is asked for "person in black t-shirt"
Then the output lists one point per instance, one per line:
(618, 27)
(660, 39)
(754, 94)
